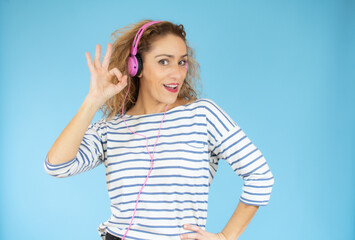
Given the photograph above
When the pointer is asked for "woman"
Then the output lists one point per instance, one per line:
(160, 190)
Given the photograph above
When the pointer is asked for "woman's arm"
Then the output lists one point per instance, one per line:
(239, 221)
(67, 144)
(229, 142)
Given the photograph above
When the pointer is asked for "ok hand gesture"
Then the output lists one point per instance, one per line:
(101, 86)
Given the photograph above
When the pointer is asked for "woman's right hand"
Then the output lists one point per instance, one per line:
(101, 86)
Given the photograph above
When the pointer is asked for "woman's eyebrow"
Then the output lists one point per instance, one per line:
(170, 56)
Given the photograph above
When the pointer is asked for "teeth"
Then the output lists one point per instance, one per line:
(171, 86)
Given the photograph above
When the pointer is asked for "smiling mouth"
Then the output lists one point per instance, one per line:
(171, 86)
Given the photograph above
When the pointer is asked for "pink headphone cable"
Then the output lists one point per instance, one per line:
(151, 157)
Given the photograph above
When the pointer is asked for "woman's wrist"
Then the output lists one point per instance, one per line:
(221, 236)
(96, 103)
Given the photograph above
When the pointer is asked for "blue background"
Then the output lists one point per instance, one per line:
(283, 70)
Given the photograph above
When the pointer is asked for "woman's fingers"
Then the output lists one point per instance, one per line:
(106, 60)
(97, 63)
(115, 71)
(90, 64)
(122, 84)
(97, 56)
(101, 85)
(122, 81)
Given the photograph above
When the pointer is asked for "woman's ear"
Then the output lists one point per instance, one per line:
(140, 58)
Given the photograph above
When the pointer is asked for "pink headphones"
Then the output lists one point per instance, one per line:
(135, 62)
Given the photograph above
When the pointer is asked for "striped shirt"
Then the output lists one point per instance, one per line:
(193, 138)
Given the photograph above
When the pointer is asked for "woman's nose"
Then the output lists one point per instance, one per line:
(178, 70)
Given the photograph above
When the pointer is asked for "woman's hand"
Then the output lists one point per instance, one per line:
(200, 234)
(101, 86)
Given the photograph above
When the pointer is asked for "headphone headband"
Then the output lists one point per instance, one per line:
(135, 63)
(139, 35)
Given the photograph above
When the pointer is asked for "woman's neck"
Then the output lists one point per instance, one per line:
(145, 107)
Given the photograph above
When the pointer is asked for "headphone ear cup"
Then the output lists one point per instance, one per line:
(140, 64)
(132, 66)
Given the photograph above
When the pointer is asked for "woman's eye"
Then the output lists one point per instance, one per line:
(162, 61)
(165, 62)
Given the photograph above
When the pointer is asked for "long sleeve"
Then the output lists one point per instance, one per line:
(92, 152)
(229, 142)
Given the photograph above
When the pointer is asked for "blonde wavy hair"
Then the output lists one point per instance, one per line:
(123, 40)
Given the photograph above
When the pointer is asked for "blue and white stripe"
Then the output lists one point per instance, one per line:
(193, 138)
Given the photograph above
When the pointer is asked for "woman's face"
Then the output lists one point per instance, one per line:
(164, 64)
